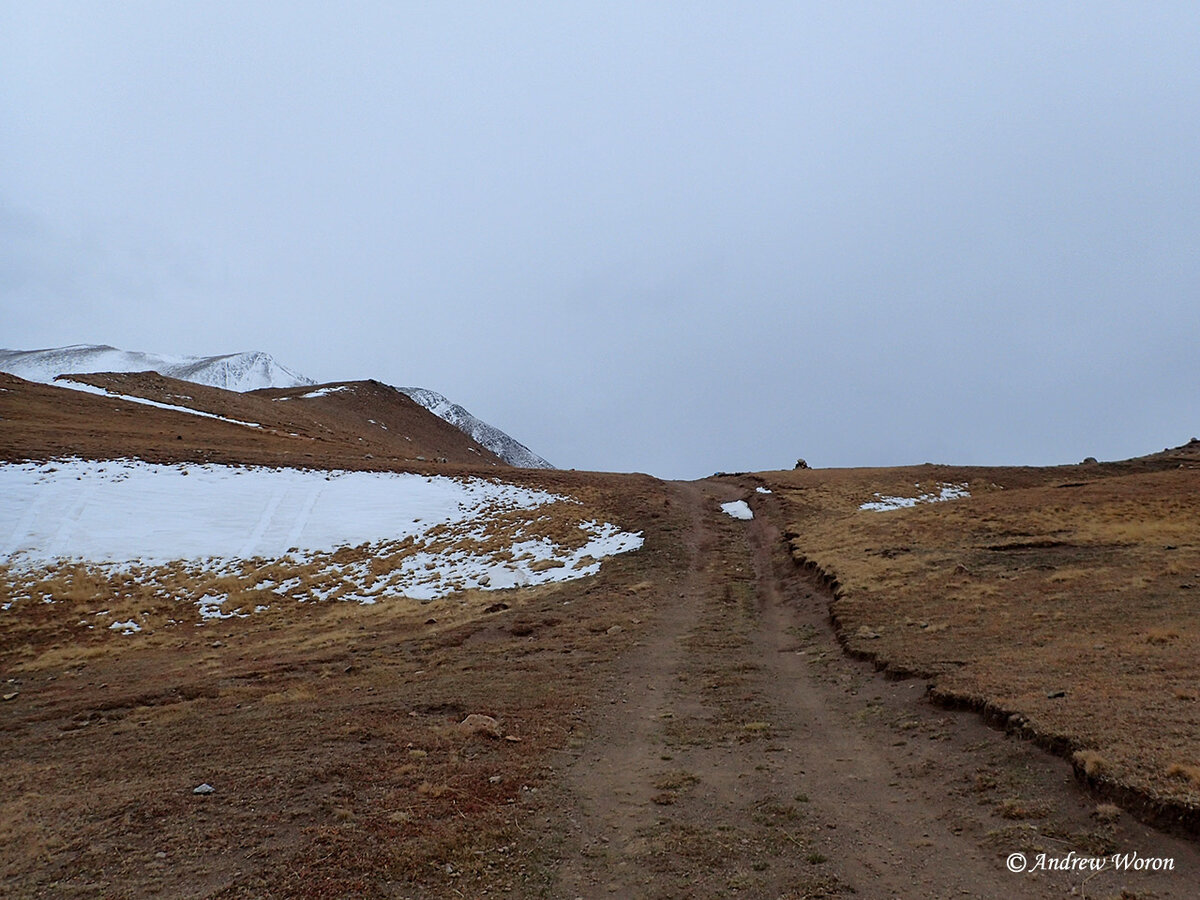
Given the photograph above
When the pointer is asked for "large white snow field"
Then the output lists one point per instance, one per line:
(414, 536)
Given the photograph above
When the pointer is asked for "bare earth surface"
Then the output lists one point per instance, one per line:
(1060, 602)
(742, 753)
(686, 723)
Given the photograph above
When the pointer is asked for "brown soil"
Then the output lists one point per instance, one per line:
(329, 731)
(741, 752)
(366, 425)
(683, 724)
(1061, 603)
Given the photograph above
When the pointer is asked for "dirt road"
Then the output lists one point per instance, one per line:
(741, 752)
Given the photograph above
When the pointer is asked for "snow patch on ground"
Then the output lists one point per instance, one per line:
(739, 509)
(945, 492)
(762, 490)
(92, 389)
(305, 535)
(319, 392)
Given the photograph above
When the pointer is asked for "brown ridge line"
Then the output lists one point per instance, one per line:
(1165, 814)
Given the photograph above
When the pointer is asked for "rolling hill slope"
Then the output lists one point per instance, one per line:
(243, 372)
(352, 425)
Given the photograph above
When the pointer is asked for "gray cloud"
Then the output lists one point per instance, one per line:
(656, 237)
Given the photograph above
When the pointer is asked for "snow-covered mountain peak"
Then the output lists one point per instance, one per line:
(511, 451)
(233, 371)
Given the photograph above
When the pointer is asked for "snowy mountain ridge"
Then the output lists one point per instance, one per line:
(508, 449)
(242, 372)
(232, 371)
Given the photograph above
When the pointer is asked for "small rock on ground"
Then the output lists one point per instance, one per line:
(479, 724)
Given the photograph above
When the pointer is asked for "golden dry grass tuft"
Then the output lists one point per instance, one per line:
(1184, 772)
(1092, 763)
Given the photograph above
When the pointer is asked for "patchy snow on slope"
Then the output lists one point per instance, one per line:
(319, 392)
(270, 533)
(762, 490)
(104, 392)
(739, 509)
(945, 492)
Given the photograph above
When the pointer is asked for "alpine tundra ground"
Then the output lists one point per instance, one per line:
(683, 722)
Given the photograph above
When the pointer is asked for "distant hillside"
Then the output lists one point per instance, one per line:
(242, 372)
(233, 371)
(161, 419)
(511, 451)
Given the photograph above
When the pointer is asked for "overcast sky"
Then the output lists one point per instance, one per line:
(671, 238)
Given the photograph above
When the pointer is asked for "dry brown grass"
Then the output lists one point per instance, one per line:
(1092, 763)
(1185, 773)
(1107, 813)
(1069, 597)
